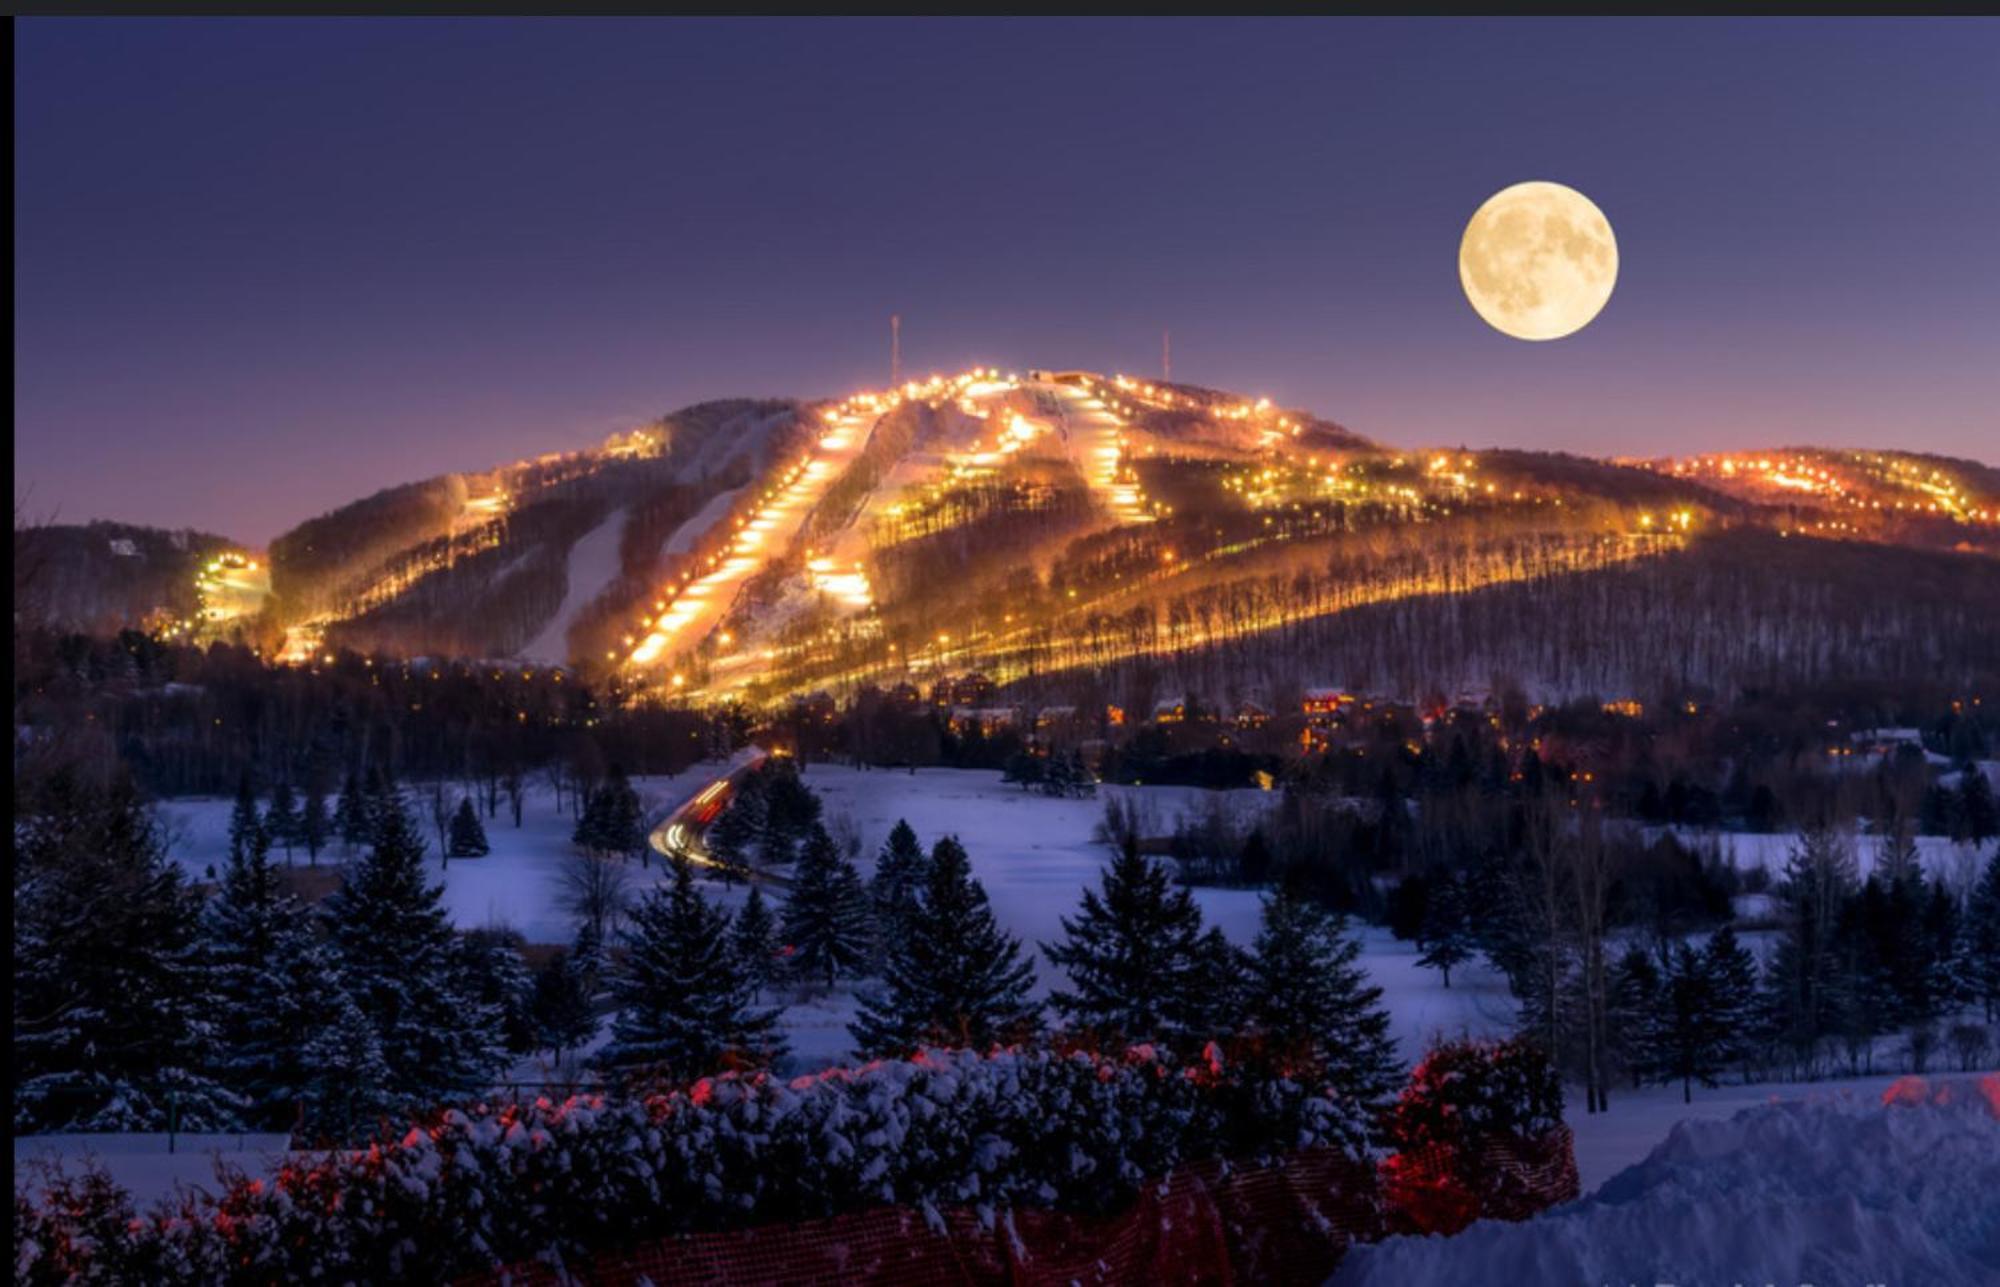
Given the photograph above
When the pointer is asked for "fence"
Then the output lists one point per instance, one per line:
(1290, 1221)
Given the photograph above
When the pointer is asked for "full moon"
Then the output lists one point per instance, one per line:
(1538, 261)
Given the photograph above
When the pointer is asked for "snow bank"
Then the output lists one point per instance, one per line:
(1898, 1189)
(141, 1163)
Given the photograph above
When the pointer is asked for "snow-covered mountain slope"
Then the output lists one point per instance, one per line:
(1048, 527)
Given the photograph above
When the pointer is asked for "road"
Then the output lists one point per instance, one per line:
(679, 834)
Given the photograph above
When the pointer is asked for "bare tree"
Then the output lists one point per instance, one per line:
(597, 890)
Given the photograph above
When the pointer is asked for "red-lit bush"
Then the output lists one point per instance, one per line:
(1478, 1132)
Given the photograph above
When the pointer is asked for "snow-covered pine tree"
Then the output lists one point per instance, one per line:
(468, 835)
(1023, 768)
(685, 1008)
(281, 819)
(495, 974)
(754, 939)
(624, 821)
(1945, 985)
(1693, 1040)
(383, 799)
(953, 977)
(1134, 957)
(271, 985)
(1631, 1007)
(900, 872)
(791, 811)
(1446, 937)
(315, 827)
(1978, 814)
(110, 994)
(1732, 973)
(1803, 978)
(353, 820)
(1979, 955)
(826, 915)
(732, 838)
(1058, 776)
(246, 825)
(1309, 998)
(402, 967)
(560, 1007)
(349, 1089)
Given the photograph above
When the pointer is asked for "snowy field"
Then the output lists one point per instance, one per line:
(1956, 863)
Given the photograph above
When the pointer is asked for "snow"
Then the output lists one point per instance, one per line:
(593, 565)
(1840, 1187)
(1034, 854)
(518, 885)
(1939, 856)
(690, 532)
(141, 1163)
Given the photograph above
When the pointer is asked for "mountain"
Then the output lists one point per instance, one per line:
(1065, 532)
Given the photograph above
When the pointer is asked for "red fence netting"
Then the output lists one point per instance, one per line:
(1213, 1222)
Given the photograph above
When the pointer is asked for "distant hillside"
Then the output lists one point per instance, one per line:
(1067, 530)
(102, 577)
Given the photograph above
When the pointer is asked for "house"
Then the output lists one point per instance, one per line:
(988, 720)
(1171, 710)
(1251, 715)
(1324, 705)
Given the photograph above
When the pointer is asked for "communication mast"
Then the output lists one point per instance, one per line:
(1167, 356)
(895, 349)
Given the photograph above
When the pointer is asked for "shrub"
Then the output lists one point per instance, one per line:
(492, 1184)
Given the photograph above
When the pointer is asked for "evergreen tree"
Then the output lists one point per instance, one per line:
(791, 812)
(281, 820)
(246, 825)
(954, 977)
(1630, 1012)
(468, 836)
(1732, 975)
(494, 974)
(1979, 954)
(754, 938)
(1943, 984)
(1978, 815)
(353, 821)
(900, 873)
(826, 916)
(272, 985)
(1134, 957)
(403, 968)
(349, 1090)
(622, 824)
(110, 993)
(560, 1006)
(1805, 978)
(1310, 998)
(1024, 768)
(315, 828)
(685, 1004)
(1058, 776)
(1446, 938)
(1693, 1040)
(732, 839)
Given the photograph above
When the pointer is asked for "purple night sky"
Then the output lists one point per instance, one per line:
(266, 267)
